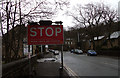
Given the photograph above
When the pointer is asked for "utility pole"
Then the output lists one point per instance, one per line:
(119, 11)
(0, 47)
(78, 37)
(0, 21)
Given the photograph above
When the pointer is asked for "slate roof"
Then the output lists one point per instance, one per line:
(115, 34)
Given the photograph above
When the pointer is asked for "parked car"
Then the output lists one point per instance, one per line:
(56, 52)
(72, 50)
(50, 50)
(77, 51)
(47, 51)
(91, 52)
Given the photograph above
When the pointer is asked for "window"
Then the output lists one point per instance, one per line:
(68, 43)
(65, 42)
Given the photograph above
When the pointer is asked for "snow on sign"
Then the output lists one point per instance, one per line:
(45, 35)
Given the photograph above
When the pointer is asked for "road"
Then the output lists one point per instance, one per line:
(83, 65)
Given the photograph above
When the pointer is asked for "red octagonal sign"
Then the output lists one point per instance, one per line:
(45, 35)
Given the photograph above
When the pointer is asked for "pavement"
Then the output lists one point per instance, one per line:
(48, 66)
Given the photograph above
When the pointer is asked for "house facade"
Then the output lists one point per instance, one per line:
(14, 45)
(69, 44)
(105, 43)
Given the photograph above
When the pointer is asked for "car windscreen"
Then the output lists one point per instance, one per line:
(91, 51)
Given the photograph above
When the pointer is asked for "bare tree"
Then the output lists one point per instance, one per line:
(40, 9)
(18, 13)
(109, 17)
(91, 16)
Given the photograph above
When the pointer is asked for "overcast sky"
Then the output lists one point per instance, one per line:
(67, 21)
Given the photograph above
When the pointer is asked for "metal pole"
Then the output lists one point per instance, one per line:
(32, 49)
(0, 46)
(28, 48)
(62, 58)
(29, 60)
(41, 48)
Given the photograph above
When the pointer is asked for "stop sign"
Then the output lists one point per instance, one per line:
(45, 35)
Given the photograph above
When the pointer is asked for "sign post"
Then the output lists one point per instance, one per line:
(46, 34)
(62, 58)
